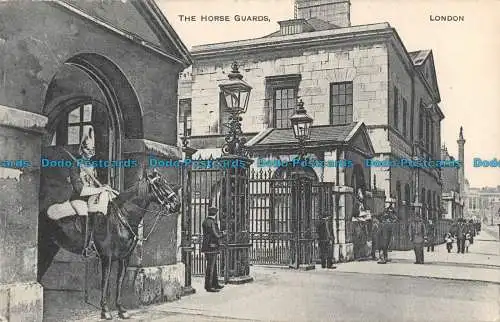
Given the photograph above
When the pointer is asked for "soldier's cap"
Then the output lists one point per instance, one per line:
(213, 210)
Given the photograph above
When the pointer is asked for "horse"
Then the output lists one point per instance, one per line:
(115, 234)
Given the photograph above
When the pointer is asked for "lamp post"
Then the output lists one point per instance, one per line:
(300, 247)
(234, 212)
(301, 123)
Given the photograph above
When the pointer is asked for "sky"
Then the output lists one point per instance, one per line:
(466, 56)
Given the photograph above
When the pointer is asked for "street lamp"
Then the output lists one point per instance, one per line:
(234, 203)
(236, 93)
(301, 123)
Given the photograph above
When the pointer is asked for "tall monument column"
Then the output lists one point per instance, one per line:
(461, 157)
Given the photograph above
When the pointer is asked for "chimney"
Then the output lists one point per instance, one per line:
(337, 12)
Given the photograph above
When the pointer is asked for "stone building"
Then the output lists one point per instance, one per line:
(483, 204)
(344, 74)
(66, 66)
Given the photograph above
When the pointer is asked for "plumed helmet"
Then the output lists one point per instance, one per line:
(87, 142)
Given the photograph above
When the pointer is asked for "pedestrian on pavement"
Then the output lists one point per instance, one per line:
(472, 231)
(210, 246)
(431, 235)
(325, 241)
(467, 242)
(460, 236)
(417, 237)
(375, 236)
(448, 238)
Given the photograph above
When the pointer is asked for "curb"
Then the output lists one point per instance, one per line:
(193, 313)
(427, 277)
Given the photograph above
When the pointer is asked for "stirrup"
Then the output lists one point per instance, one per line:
(89, 250)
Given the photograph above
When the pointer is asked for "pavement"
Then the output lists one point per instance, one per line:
(449, 287)
(481, 263)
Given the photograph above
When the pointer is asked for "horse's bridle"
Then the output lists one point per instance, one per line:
(158, 192)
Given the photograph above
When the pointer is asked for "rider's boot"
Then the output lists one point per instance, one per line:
(89, 248)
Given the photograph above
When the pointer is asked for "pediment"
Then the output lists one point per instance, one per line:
(361, 141)
(142, 19)
(428, 70)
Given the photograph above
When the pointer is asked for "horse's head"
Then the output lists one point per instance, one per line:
(162, 193)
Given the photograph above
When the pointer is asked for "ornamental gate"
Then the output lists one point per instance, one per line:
(283, 216)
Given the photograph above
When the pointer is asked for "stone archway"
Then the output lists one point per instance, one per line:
(88, 90)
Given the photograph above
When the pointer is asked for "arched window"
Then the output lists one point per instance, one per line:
(74, 126)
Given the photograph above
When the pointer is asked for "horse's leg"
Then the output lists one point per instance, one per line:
(106, 272)
(122, 269)
(47, 248)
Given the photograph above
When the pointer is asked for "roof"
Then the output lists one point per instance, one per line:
(321, 136)
(334, 133)
(141, 21)
(418, 57)
(315, 24)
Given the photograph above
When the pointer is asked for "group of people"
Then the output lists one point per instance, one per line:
(463, 232)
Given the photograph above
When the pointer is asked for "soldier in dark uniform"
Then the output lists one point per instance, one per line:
(325, 241)
(375, 236)
(460, 235)
(431, 235)
(418, 236)
(210, 246)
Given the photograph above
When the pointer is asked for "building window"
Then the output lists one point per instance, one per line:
(407, 194)
(398, 194)
(341, 103)
(421, 121)
(432, 138)
(281, 99)
(412, 119)
(79, 122)
(396, 108)
(284, 102)
(405, 115)
(185, 120)
(427, 132)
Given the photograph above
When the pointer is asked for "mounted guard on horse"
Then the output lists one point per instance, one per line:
(112, 220)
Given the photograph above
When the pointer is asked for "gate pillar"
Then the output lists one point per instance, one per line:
(303, 239)
(344, 247)
(235, 219)
(186, 234)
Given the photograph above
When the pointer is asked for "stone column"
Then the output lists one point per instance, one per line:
(343, 248)
(21, 296)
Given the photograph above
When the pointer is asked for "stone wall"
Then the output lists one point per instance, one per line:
(21, 297)
(365, 65)
(33, 48)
